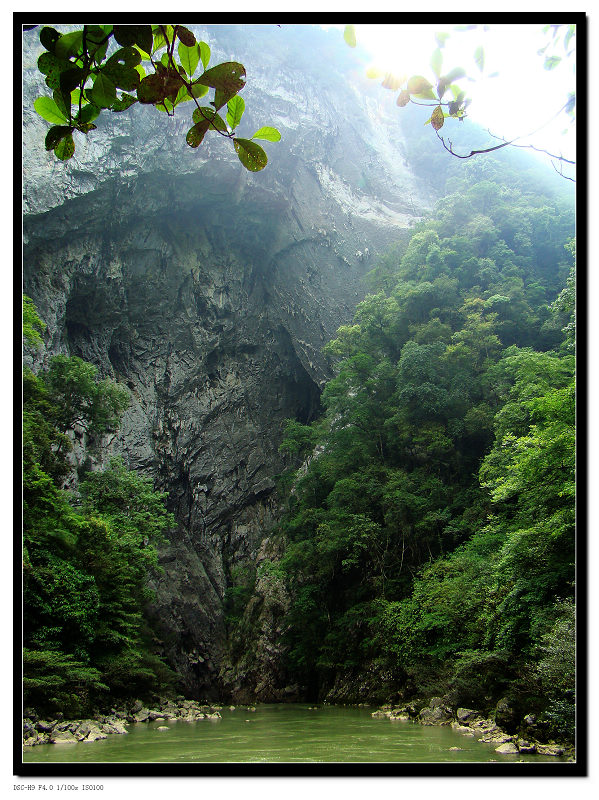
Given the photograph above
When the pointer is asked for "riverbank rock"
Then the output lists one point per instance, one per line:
(436, 713)
(506, 715)
(470, 722)
(509, 748)
(114, 726)
(550, 750)
(459, 728)
(465, 714)
(497, 737)
(526, 747)
(62, 737)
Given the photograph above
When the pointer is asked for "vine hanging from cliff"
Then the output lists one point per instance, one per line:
(153, 65)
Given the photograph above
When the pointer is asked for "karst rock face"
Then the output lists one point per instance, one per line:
(210, 291)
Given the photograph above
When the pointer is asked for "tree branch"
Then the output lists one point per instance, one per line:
(512, 143)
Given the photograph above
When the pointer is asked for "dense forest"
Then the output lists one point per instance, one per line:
(429, 535)
(89, 548)
(424, 543)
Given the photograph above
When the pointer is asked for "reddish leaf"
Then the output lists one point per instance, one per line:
(437, 118)
(186, 36)
(403, 99)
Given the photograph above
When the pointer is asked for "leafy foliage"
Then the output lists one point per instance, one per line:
(33, 326)
(87, 555)
(112, 67)
(431, 528)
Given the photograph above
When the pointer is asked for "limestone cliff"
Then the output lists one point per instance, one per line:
(210, 291)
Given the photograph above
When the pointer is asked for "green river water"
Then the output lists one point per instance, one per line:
(281, 733)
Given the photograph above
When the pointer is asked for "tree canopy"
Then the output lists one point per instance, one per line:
(429, 535)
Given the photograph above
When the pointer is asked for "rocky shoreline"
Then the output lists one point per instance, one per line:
(469, 722)
(38, 731)
(466, 721)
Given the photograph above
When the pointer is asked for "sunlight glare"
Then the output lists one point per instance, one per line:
(513, 96)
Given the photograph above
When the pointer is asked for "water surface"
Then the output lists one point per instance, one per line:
(281, 733)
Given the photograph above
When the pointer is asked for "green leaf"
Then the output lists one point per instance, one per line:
(569, 34)
(55, 134)
(103, 92)
(209, 115)
(185, 36)
(47, 108)
(349, 34)
(229, 77)
(204, 53)
(65, 148)
(437, 61)
(268, 133)
(373, 72)
(122, 103)
(251, 155)
(48, 38)
(189, 57)
(183, 96)
(52, 67)
(551, 62)
(454, 75)
(479, 58)
(196, 133)
(428, 94)
(221, 97)
(165, 106)
(125, 57)
(236, 107)
(441, 38)
(69, 44)
(159, 40)
(70, 79)
(120, 68)
(63, 101)
(85, 127)
(437, 118)
(129, 35)
(418, 84)
(198, 90)
(96, 40)
(88, 113)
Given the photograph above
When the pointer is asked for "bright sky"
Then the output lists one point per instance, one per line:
(521, 99)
